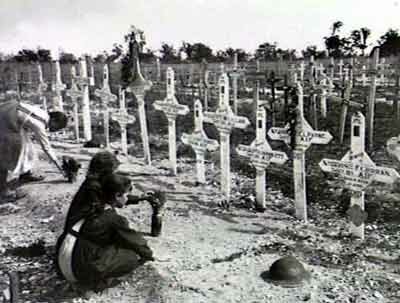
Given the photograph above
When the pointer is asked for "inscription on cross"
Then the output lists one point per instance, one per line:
(171, 109)
(356, 170)
(304, 136)
(261, 155)
(225, 120)
(199, 141)
(106, 98)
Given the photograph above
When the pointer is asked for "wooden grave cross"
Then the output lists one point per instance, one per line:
(331, 68)
(106, 98)
(225, 120)
(171, 109)
(272, 81)
(138, 87)
(57, 86)
(325, 87)
(357, 171)
(84, 82)
(42, 87)
(346, 102)
(75, 94)
(235, 73)
(199, 141)
(123, 118)
(304, 137)
(256, 76)
(261, 155)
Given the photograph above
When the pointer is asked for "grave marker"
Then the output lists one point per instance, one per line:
(303, 138)
(371, 98)
(75, 94)
(138, 87)
(199, 141)
(84, 81)
(106, 98)
(261, 155)
(357, 171)
(225, 120)
(171, 109)
(123, 118)
(42, 87)
(57, 87)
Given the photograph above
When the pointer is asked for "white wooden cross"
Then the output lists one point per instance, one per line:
(138, 87)
(75, 94)
(304, 137)
(106, 98)
(158, 69)
(302, 68)
(123, 118)
(235, 74)
(225, 120)
(357, 171)
(57, 87)
(199, 141)
(341, 64)
(42, 87)
(171, 109)
(84, 81)
(261, 155)
(332, 68)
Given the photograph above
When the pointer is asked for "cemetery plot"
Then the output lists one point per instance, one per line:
(357, 171)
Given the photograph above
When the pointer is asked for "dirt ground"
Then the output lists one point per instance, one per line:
(206, 253)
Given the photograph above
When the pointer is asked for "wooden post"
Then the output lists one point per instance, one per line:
(75, 94)
(260, 154)
(123, 118)
(57, 87)
(199, 141)
(235, 74)
(171, 108)
(371, 99)
(225, 120)
(106, 98)
(42, 87)
(304, 137)
(84, 82)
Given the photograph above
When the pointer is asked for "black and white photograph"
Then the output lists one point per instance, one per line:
(199, 151)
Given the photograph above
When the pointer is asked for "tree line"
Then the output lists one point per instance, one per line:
(336, 45)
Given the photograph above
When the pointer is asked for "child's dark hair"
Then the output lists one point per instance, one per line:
(102, 164)
(114, 184)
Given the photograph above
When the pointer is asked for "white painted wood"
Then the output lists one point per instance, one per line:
(357, 170)
(225, 120)
(171, 109)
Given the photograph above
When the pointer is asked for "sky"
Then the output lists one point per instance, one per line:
(83, 26)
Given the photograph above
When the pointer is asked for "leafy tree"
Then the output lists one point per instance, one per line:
(67, 58)
(389, 43)
(312, 50)
(44, 55)
(169, 54)
(358, 39)
(337, 46)
(26, 55)
(197, 52)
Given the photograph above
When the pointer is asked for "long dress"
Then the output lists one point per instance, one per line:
(98, 246)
